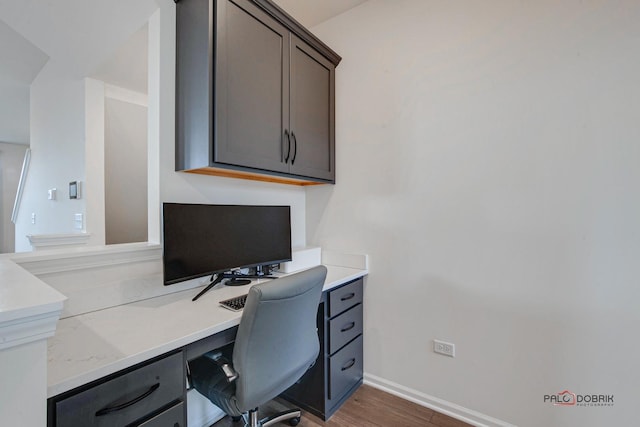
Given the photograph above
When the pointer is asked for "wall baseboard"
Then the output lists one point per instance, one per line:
(447, 408)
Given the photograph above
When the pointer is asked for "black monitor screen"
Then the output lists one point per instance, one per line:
(204, 239)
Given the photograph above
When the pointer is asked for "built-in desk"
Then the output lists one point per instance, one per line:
(99, 345)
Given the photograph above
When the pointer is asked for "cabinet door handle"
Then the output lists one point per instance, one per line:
(295, 147)
(349, 364)
(116, 408)
(349, 327)
(348, 297)
(286, 158)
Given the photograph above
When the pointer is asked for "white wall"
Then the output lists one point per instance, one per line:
(183, 187)
(125, 159)
(487, 161)
(14, 111)
(57, 154)
(11, 158)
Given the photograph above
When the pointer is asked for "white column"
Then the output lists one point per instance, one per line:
(23, 394)
(29, 310)
(93, 190)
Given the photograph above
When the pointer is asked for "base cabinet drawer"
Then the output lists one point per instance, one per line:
(127, 398)
(345, 368)
(172, 417)
(344, 328)
(345, 297)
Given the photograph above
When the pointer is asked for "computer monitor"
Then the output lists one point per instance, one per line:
(201, 240)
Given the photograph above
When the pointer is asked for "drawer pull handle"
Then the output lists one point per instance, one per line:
(349, 327)
(124, 405)
(349, 364)
(348, 296)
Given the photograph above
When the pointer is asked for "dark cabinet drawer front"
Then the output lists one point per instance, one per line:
(344, 328)
(127, 398)
(345, 368)
(345, 297)
(172, 417)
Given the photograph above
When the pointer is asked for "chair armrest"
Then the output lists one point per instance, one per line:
(224, 364)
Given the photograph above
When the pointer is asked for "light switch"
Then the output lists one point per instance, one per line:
(51, 194)
(78, 220)
(33, 218)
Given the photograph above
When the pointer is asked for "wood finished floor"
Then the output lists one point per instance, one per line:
(367, 407)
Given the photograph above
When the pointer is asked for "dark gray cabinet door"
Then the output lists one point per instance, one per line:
(252, 87)
(312, 112)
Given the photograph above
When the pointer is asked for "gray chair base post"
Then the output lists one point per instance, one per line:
(251, 418)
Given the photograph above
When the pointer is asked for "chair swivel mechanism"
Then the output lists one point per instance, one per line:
(276, 343)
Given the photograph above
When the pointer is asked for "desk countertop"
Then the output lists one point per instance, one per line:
(92, 345)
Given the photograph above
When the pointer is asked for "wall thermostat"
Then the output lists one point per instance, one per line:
(73, 190)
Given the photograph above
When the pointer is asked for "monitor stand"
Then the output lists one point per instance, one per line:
(234, 280)
(237, 282)
(215, 279)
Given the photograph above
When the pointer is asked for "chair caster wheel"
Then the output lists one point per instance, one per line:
(294, 421)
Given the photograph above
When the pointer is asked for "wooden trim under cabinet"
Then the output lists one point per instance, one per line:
(229, 173)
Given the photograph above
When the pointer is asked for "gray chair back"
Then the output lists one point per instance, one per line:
(277, 339)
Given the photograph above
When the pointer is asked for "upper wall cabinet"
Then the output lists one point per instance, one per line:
(255, 94)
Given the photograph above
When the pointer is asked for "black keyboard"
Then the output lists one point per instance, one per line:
(234, 304)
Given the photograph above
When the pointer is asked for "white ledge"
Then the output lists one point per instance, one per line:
(58, 240)
(73, 259)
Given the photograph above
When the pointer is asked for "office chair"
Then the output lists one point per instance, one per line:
(276, 343)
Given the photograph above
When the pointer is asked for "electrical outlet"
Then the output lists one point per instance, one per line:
(446, 348)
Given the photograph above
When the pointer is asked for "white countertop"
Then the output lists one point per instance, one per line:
(89, 346)
(23, 295)
(29, 308)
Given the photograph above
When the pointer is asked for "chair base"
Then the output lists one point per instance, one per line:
(251, 418)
